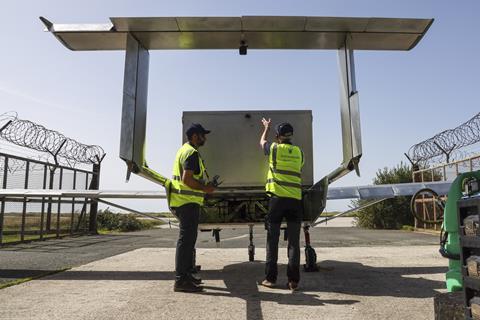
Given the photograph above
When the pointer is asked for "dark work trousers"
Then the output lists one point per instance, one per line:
(188, 216)
(291, 210)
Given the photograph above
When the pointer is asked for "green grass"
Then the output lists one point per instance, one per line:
(16, 238)
(408, 228)
(13, 221)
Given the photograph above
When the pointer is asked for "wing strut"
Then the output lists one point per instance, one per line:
(363, 206)
(134, 112)
(316, 197)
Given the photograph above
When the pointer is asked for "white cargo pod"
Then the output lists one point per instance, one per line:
(233, 152)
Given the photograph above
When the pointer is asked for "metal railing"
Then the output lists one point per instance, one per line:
(442, 172)
(24, 219)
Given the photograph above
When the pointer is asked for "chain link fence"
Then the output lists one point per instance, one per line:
(37, 218)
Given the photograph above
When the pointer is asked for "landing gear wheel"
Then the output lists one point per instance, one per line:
(310, 260)
(432, 200)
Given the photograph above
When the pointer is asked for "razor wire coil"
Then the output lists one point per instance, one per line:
(31, 135)
(446, 143)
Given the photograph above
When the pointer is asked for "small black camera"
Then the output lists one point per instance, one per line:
(243, 48)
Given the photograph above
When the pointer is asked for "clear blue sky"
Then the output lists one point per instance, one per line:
(405, 97)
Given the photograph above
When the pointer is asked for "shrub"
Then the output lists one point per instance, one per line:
(128, 222)
(391, 213)
(107, 220)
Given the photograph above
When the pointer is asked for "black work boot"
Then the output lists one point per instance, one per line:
(196, 280)
(186, 285)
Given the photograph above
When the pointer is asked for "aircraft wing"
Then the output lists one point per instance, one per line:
(386, 190)
(260, 32)
(334, 193)
(92, 194)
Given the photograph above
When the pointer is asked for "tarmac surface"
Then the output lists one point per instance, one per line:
(364, 274)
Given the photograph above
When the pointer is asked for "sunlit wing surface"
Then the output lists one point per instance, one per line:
(259, 32)
(386, 190)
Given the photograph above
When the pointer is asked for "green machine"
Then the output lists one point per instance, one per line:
(450, 246)
(450, 239)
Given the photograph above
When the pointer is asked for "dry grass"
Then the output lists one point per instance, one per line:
(13, 221)
(12, 225)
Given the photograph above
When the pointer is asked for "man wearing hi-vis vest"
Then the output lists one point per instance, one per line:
(187, 192)
(284, 186)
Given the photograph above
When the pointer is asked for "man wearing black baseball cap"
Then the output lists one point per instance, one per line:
(188, 188)
(284, 187)
(196, 128)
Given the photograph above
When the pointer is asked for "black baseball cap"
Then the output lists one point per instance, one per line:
(285, 129)
(196, 128)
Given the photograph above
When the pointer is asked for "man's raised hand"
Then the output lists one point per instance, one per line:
(266, 123)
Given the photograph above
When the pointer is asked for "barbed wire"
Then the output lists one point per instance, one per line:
(28, 134)
(446, 144)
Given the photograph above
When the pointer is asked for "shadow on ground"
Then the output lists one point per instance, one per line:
(55, 245)
(241, 281)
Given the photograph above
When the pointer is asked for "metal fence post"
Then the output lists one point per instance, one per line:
(24, 208)
(92, 227)
(49, 205)
(59, 206)
(2, 207)
(423, 204)
(73, 202)
(84, 208)
(42, 214)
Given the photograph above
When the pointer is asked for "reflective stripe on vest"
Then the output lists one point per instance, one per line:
(187, 192)
(288, 184)
(284, 175)
(180, 193)
(290, 173)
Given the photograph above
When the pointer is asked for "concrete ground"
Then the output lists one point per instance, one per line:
(363, 275)
(38, 258)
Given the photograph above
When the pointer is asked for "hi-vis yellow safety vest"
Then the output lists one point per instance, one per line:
(284, 175)
(180, 193)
